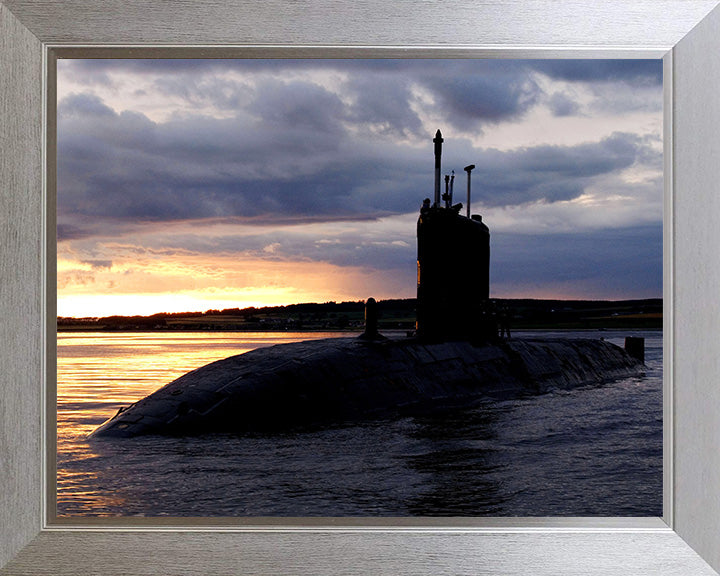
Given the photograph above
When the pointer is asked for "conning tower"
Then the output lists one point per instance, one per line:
(453, 282)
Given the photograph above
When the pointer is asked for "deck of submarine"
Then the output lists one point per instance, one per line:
(340, 379)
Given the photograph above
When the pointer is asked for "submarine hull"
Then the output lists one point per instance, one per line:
(339, 380)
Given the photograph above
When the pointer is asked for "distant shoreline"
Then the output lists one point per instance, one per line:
(399, 315)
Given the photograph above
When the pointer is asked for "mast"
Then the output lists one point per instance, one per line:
(468, 169)
(438, 140)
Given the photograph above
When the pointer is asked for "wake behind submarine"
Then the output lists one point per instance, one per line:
(455, 358)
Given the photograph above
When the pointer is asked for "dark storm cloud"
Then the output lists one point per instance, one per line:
(480, 99)
(361, 246)
(635, 71)
(84, 106)
(381, 91)
(345, 250)
(384, 104)
(98, 264)
(468, 93)
(464, 91)
(288, 162)
(551, 173)
(397, 251)
(561, 105)
(219, 91)
(86, 70)
(301, 105)
(579, 70)
(66, 231)
(123, 166)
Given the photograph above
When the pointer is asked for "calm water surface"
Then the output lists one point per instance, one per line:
(594, 451)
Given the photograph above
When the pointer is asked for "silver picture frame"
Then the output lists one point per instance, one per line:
(683, 32)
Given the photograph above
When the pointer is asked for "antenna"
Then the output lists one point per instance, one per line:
(438, 140)
(468, 169)
(452, 180)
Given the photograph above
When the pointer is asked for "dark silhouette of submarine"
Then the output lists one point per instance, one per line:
(461, 353)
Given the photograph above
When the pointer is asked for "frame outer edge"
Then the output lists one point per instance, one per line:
(20, 298)
(373, 22)
(65, 553)
(697, 285)
(20, 284)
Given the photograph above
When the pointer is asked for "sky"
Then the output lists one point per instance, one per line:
(189, 185)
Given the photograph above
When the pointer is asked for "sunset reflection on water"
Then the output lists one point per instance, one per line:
(97, 373)
(596, 449)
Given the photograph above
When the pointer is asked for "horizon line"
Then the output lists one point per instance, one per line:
(356, 302)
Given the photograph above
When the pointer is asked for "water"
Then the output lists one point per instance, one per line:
(594, 451)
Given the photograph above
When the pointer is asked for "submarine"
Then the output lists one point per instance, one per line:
(461, 353)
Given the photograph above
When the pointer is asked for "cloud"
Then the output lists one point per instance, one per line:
(637, 72)
(293, 161)
(299, 106)
(562, 105)
(82, 106)
(98, 264)
(553, 173)
(462, 93)
(68, 278)
(601, 261)
(123, 166)
(327, 161)
(383, 105)
(479, 99)
(272, 248)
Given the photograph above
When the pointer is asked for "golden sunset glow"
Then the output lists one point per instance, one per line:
(192, 283)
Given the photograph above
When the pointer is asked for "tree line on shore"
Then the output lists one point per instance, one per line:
(394, 314)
